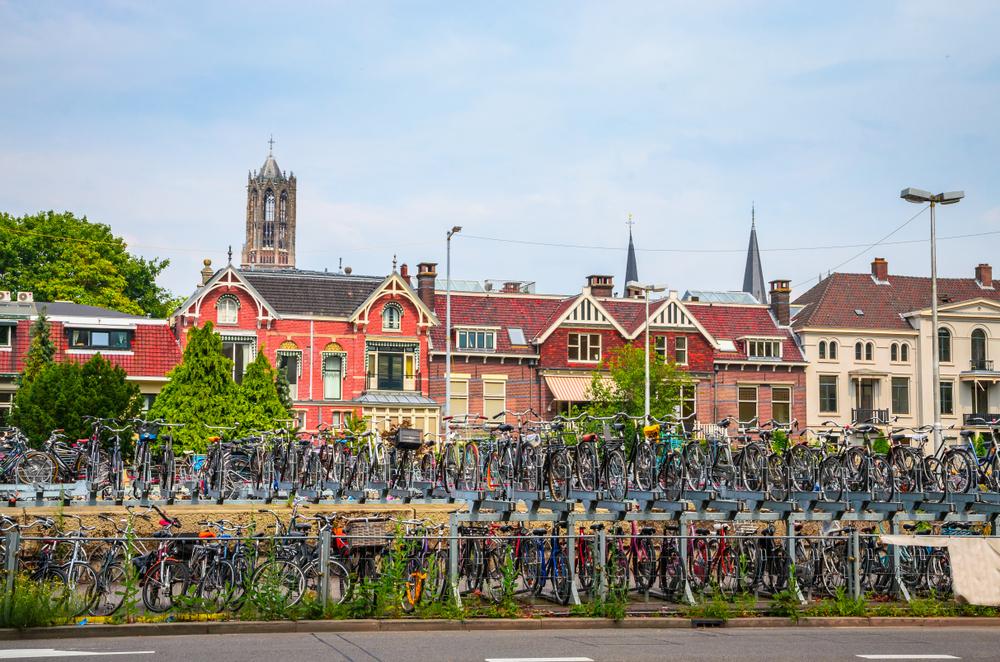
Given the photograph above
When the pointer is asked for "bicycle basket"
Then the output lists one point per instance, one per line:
(367, 531)
(408, 439)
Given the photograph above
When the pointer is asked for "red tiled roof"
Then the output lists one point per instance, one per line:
(832, 302)
(630, 313)
(733, 322)
(527, 312)
(155, 351)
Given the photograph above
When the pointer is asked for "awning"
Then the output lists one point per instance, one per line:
(979, 376)
(382, 398)
(571, 388)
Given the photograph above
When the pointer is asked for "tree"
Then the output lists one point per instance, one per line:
(201, 391)
(284, 390)
(41, 350)
(625, 390)
(260, 406)
(61, 394)
(61, 257)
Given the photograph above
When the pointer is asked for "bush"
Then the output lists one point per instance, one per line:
(36, 604)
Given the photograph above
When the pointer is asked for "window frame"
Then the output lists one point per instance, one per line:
(325, 356)
(8, 341)
(490, 412)
(681, 351)
(869, 352)
(459, 395)
(88, 345)
(824, 399)
(786, 402)
(660, 345)
(951, 397)
(833, 347)
(578, 346)
(227, 299)
(488, 337)
(393, 307)
(905, 382)
(753, 344)
(740, 401)
(944, 334)
(821, 350)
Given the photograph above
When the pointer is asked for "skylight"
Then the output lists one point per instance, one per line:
(727, 346)
(859, 312)
(516, 335)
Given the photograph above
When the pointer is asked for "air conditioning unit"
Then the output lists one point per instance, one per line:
(5, 295)
(25, 297)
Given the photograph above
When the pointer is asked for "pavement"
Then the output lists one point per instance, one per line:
(567, 645)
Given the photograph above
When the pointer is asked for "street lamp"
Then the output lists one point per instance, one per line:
(646, 289)
(920, 197)
(447, 323)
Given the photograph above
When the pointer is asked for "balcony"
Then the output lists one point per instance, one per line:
(877, 416)
(981, 365)
(979, 420)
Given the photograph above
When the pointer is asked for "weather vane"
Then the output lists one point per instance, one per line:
(270, 145)
(230, 253)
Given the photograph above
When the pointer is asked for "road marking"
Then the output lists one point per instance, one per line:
(912, 656)
(28, 653)
(539, 659)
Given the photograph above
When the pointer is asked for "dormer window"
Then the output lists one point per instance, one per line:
(475, 340)
(100, 339)
(763, 349)
(227, 309)
(392, 316)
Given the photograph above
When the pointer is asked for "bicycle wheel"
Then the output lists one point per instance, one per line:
(450, 464)
(644, 466)
(933, 479)
(80, 582)
(752, 466)
(699, 564)
(904, 463)
(560, 572)
(585, 567)
(803, 468)
(728, 571)
(338, 580)
(427, 468)
(532, 558)
(558, 473)
(469, 475)
(778, 487)
(670, 569)
(617, 476)
(361, 475)
(529, 468)
(958, 472)
(831, 478)
(278, 580)
(168, 580)
(882, 483)
(586, 466)
(644, 564)
(216, 586)
(671, 476)
(36, 468)
(108, 591)
(695, 462)
(856, 467)
(167, 475)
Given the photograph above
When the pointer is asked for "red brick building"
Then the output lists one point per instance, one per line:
(145, 348)
(347, 344)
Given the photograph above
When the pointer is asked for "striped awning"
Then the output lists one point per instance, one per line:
(571, 388)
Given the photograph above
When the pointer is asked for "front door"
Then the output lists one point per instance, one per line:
(390, 372)
(866, 395)
(981, 397)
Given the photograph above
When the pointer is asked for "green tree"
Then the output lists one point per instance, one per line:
(284, 391)
(260, 406)
(620, 385)
(201, 391)
(60, 257)
(41, 350)
(61, 394)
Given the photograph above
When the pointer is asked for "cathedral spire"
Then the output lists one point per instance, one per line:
(631, 269)
(753, 274)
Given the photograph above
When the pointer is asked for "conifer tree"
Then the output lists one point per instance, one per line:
(41, 350)
(260, 406)
(201, 390)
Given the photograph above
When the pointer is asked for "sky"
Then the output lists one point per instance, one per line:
(545, 122)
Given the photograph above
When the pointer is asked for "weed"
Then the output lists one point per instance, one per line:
(36, 604)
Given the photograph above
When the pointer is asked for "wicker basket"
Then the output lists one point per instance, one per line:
(367, 531)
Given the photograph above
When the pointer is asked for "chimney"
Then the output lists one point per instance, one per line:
(634, 292)
(206, 272)
(600, 286)
(404, 273)
(880, 270)
(426, 275)
(781, 297)
(984, 276)
(511, 287)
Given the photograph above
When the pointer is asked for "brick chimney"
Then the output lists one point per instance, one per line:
(207, 271)
(880, 270)
(781, 297)
(601, 286)
(404, 273)
(426, 275)
(984, 276)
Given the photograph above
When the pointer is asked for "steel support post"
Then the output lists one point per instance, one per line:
(896, 571)
(453, 558)
(574, 595)
(11, 544)
(855, 564)
(601, 564)
(688, 595)
(792, 579)
(324, 561)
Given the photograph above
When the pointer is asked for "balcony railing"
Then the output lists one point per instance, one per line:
(985, 365)
(879, 416)
(981, 419)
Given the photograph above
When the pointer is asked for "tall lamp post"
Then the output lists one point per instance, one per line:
(646, 289)
(920, 197)
(447, 324)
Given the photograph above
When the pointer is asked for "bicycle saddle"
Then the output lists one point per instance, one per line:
(865, 428)
(897, 436)
(590, 436)
(967, 434)
(539, 531)
(701, 532)
(596, 527)
(646, 531)
(617, 427)
(909, 527)
(920, 436)
(506, 528)
(506, 427)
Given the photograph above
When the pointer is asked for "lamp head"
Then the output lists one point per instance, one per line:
(916, 195)
(951, 197)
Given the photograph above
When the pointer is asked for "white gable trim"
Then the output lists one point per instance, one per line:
(394, 284)
(664, 308)
(959, 307)
(590, 307)
(228, 279)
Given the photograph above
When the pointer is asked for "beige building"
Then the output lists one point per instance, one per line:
(869, 340)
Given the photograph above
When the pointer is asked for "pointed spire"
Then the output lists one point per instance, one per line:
(753, 274)
(631, 269)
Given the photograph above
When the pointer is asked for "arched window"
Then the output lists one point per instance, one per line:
(268, 234)
(822, 349)
(227, 309)
(869, 351)
(904, 353)
(978, 349)
(894, 352)
(833, 349)
(392, 315)
(859, 349)
(944, 345)
(282, 220)
(333, 375)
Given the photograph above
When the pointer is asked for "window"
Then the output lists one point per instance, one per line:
(99, 339)
(494, 397)
(147, 401)
(781, 403)
(894, 352)
(869, 351)
(289, 362)
(267, 238)
(747, 396)
(392, 315)
(822, 349)
(828, 394)
(833, 349)
(947, 398)
(227, 309)
(944, 345)
(458, 405)
(333, 377)
(6, 400)
(900, 395)
(764, 349)
(688, 402)
(859, 351)
(240, 352)
(904, 353)
(4, 335)
(660, 347)
(681, 350)
(516, 336)
(390, 371)
(978, 349)
(585, 347)
(475, 340)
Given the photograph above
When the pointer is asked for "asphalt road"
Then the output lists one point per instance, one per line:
(738, 644)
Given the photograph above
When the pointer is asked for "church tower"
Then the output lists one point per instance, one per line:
(753, 273)
(270, 238)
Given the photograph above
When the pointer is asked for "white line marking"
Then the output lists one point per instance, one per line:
(28, 653)
(539, 659)
(912, 656)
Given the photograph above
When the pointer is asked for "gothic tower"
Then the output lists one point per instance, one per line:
(270, 238)
(753, 273)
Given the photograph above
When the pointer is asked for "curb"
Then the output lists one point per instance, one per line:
(472, 625)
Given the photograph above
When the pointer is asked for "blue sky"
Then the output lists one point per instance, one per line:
(544, 121)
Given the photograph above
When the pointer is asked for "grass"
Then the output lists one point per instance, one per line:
(35, 604)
